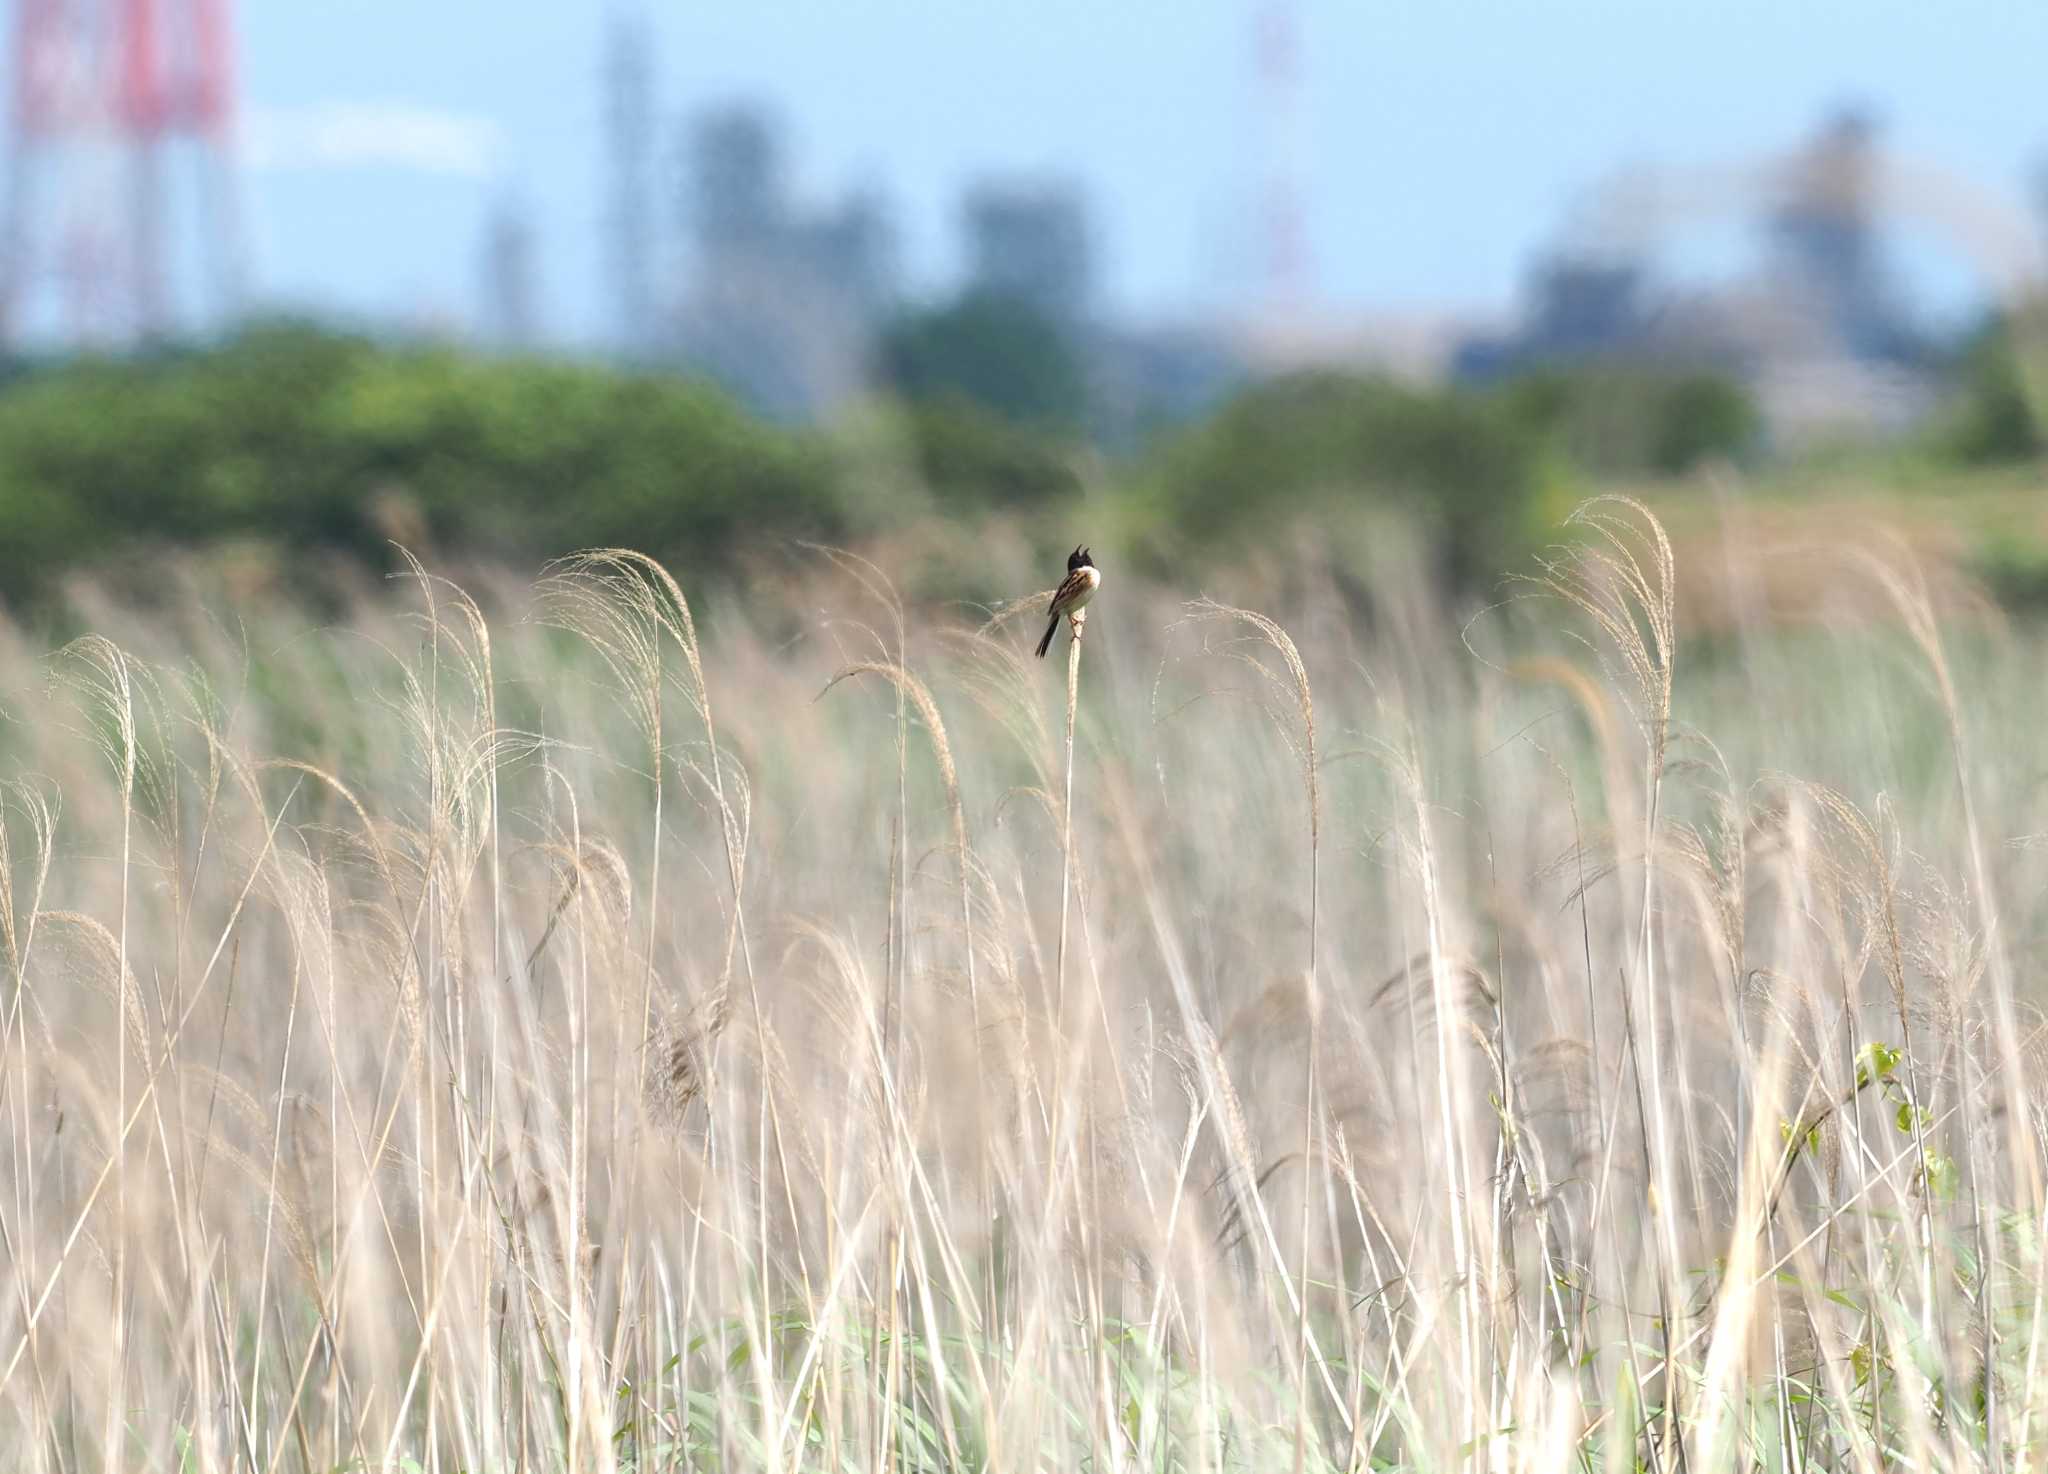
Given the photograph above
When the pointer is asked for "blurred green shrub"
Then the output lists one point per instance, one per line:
(1470, 468)
(1612, 419)
(988, 350)
(298, 435)
(1996, 413)
(2014, 570)
(971, 458)
(302, 438)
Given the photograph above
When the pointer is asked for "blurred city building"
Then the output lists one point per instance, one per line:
(1819, 328)
(507, 271)
(1148, 377)
(720, 269)
(1420, 346)
(778, 303)
(1031, 241)
(630, 133)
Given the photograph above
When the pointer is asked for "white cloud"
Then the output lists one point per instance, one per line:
(357, 135)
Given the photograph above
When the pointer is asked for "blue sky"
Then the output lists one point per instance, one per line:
(1442, 142)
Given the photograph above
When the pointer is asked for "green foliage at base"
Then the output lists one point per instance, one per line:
(312, 439)
(972, 458)
(304, 440)
(992, 351)
(1639, 419)
(1467, 467)
(2000, 376)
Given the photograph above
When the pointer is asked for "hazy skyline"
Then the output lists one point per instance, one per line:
(1441, 145)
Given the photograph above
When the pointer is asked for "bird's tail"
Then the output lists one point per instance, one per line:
(1050, 630)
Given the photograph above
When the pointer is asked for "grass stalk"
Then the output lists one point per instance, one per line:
(1079, 621)
(392, 1227)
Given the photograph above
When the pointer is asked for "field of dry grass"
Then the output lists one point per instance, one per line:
(583, 1029)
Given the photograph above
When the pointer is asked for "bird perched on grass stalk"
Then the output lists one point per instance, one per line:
(1081, 582)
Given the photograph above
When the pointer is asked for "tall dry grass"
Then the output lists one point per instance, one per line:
(582, 1029)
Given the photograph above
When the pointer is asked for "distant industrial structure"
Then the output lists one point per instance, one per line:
(714, 263)
(779, 302)
(1286, 287)
(101, 91)
(1819, 328)
(784, 302)
(785, 306)
(1030, 240)
(509, 313)
(630, 131)
(724, 271)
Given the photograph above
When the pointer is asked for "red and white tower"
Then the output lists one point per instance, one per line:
(107, 95)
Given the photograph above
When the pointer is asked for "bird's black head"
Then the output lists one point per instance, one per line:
(1079, 559)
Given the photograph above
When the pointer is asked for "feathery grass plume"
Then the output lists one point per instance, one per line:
(613, 601)
(628, 609)
(736, 813)
(881, 589)
(626, 605)
(1004, 685)
(454, 709)
(908, 685)
(1858, 858)
(1903, 581)
(1711, 857)
(466, 634)
(682, 1049)
(1301, 742)
(39, 806)
(89, 953)
(1271, 636)
(447, 1259)
(1624, 582)
(111, 686)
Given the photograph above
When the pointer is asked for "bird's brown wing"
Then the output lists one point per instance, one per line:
(1069, 587)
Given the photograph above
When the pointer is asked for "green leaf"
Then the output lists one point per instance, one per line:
(1876, 1062)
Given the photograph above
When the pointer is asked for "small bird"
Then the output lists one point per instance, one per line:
(1081, 582)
